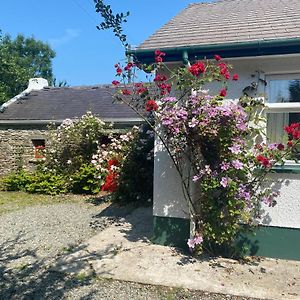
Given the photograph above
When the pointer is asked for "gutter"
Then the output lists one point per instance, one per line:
(226, 50)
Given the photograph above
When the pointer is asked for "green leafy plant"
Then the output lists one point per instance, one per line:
(16, 181)
(85, 181)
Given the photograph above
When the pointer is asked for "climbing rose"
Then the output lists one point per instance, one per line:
(235, 77)
(293, 130)
(263, 160)
(159, 53)
(115, 82)
(280, 147)
(217, 57)
(126, 92)
(151, 105)
(159, 77)
(290, 144)
(197, 68)
(223, 92)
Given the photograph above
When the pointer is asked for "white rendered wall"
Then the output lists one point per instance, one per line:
(168, 197)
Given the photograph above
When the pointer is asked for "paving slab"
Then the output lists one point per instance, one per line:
(123, 251)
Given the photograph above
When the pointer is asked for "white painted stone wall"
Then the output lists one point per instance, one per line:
(168, 196)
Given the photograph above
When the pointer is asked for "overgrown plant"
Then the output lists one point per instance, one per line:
(211, 142)
(74, 142)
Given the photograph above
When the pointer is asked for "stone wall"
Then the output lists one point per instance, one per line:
(16, 148)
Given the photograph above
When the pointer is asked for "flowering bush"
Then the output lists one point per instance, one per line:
(74, 142)
(110, 157)
(210, 139)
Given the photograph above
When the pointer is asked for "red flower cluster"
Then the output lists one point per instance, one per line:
(293, 130)
(164, 88)
(224, 70)
(197, 68)
(128, 66)
(280, 147)
(118, 69)
(115, 82)
(151, 105)
(159, 56)
(217, 57)
(223, 92)
(112, 162)
(159, 77)
(235, 77)
(263, 161)
(126, 92)
(111, 183)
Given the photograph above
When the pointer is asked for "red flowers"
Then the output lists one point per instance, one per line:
(223, 92)
(217, 57)
(111, 183)
(128, 66)
(293, 131)
(197, 68)
(115, 82)
(263, 161)
(151, 105)
(159, 56)
(280, 147)
(164, 88)
(159, 77)
(235, 77)
(126, 92)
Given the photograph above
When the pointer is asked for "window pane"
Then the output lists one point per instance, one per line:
(275, 127)
(281, 91)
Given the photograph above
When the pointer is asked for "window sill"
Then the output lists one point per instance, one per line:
(37, 160)
(288, 168)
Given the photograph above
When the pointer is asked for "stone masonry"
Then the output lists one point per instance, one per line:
(17, 150)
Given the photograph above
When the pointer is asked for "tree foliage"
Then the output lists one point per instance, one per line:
(21, 59)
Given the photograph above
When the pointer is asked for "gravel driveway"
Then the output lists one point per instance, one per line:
(32, 239)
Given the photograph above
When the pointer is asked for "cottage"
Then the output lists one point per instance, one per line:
(24, 119)
(262, 40)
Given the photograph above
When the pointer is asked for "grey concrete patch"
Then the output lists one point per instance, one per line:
(124, 252)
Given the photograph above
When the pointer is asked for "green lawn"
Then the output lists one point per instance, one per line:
(10, 201)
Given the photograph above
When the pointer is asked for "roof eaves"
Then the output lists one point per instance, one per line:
(226, 50)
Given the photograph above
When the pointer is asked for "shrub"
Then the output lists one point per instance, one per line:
(85, 181)
(74, 142)
(16, 181)
(135, 182)
(47, 183)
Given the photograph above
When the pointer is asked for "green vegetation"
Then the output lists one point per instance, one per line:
(21, 59)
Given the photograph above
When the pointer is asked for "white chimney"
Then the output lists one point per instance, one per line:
(37, 83)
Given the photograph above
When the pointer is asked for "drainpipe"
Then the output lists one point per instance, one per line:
(185, 58)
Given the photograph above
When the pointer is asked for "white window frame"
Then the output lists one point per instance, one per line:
(285, 107)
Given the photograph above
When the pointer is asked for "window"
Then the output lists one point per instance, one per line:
(39, 147)
(283, 105)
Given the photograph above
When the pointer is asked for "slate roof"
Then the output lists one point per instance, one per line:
(229, 21)
(68, 102)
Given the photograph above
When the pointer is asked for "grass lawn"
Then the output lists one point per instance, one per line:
(10, 201)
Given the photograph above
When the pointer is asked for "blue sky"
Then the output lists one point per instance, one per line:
(84, 55)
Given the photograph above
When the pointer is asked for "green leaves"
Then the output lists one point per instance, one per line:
(22, 59)
(112, 21)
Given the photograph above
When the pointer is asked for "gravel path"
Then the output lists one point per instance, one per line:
(33, 238)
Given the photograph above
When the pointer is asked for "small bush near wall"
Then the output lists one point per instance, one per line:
(135, 183)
